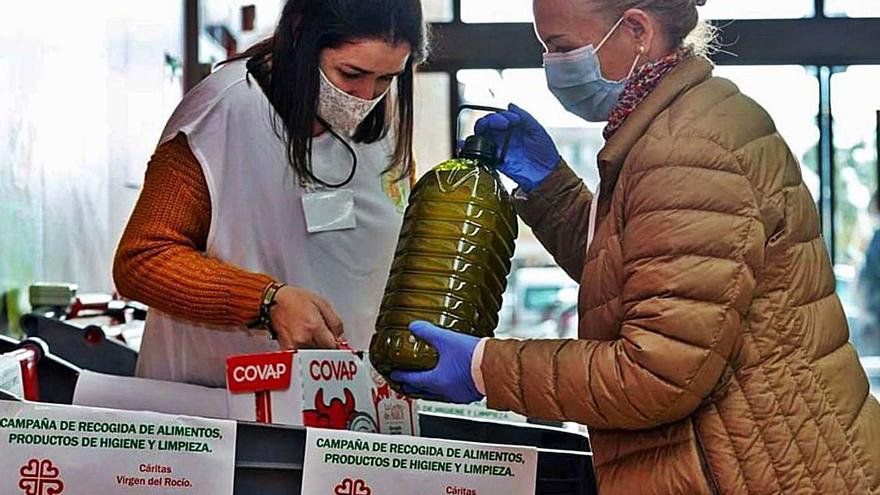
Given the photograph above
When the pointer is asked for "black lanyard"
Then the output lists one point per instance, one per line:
(354, 159)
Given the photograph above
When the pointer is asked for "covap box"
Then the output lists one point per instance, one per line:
(323, 389)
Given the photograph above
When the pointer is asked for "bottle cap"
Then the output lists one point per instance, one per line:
(479, 148)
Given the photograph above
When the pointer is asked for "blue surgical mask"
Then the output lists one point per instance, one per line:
(575, 79)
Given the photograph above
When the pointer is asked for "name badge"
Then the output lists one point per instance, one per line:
(326, 211)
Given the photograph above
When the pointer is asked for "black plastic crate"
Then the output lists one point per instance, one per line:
(450, 427)
(84, 347)
(57, 376)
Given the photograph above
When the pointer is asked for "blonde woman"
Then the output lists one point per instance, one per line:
(713, 354)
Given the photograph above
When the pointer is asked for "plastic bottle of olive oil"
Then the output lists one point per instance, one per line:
(452, 260)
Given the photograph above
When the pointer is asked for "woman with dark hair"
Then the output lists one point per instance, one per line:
(272, 205)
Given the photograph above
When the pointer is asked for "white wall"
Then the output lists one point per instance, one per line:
(84, 93)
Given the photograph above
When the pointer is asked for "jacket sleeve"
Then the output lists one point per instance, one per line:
(692, 242)
(160, 260)
(558, 211)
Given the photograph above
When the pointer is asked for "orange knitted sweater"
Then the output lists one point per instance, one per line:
(161, 258)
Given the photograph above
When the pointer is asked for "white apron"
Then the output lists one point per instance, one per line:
(258, 224)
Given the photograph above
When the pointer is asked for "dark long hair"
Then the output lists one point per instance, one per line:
(286, 65)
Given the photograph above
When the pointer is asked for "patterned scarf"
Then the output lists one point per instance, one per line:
(640, 85)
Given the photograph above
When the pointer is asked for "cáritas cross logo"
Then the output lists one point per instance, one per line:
(352, 487)
(40, 477)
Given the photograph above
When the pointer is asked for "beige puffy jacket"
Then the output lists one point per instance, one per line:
(713, 354)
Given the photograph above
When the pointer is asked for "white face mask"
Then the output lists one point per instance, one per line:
(576, 79)
(342, 111)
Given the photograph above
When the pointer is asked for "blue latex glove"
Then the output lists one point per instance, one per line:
(531, 155)
(451, 379)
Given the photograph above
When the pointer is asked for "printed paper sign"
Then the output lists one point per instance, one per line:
(10, 376)
(348, 463)
(140, 394)
(477, 410)
(56, 450)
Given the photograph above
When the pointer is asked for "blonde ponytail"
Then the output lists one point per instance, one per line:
(679, 19)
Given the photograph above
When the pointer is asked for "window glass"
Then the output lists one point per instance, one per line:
(437, 10)
(521, 10)
(541, 298)
(854, 105)
(433, 134)
(496, 10)
(757, 9)
(793, 102)
(852, 8)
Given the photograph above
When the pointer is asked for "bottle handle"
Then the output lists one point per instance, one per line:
(482, 108)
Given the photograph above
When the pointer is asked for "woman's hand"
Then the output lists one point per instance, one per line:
(531, 154)
(304, 320)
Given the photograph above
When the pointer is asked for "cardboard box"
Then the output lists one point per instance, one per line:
(395, 413)
(323, 389)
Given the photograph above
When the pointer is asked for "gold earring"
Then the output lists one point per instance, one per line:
(632, 69)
